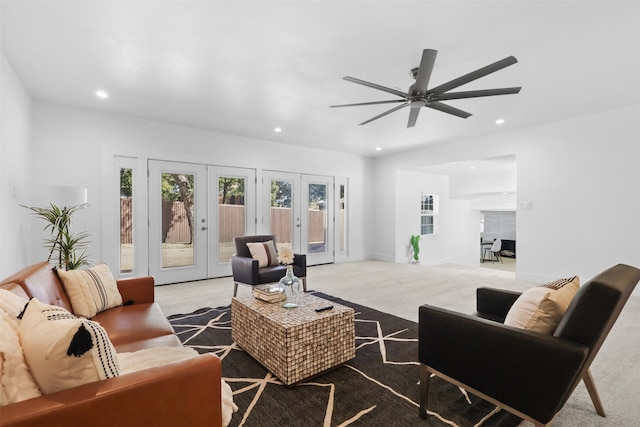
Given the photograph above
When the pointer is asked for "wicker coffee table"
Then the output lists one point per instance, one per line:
(294, 344)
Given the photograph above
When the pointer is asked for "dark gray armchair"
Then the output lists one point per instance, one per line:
(529, 374)
(246, 270)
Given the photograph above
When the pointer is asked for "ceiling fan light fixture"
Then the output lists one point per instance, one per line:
(419, 95)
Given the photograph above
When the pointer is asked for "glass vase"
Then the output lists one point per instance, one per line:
(291, 286)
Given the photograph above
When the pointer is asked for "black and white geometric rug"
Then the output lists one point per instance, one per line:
(377, 388)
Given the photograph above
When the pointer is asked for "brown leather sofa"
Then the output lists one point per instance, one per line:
(181, 393)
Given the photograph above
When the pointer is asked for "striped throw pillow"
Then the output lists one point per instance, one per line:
(64, 351)
(90, 291)
(264, 252)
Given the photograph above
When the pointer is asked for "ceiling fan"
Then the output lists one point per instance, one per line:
(419, 95)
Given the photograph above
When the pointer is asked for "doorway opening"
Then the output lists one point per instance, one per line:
(498, 225)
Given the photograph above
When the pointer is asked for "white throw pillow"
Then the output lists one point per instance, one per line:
(64, 351)
(16, 382)
(264, 252)
(11, 304)
(540, 309)
(91, 291)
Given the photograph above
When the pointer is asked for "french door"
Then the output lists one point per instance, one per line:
(178, 221)
(232, 213)
(195, 211)
(298, 210)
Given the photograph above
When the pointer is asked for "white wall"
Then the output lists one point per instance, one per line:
(409, 186)
(457, 240)
(464, 228)
(15, 171)
(582, 177)
(496, 180)
(385, 169)
(385, 199)
(74, 146)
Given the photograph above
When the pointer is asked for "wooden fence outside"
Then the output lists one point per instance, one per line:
(175, 227)
(231, 222)
(126, 220)
(281, 225)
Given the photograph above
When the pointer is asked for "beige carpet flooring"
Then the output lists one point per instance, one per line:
(400, 289)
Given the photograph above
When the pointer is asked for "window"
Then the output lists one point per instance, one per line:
(342, 215)
(428, 214)
(123, 241)
(126, 220)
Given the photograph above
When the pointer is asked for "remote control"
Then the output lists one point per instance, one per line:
(329, 307)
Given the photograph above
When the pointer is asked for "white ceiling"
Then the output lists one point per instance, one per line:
(245, 67)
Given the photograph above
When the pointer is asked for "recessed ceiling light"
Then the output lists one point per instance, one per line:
(277, 130)
(472, 167)
(378, 148)
(102, 94)
(499, 121)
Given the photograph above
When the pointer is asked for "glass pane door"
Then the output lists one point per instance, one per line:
(233, 207)
(317, 218)
(282, 208)
(299, 212)
(317, 230)
(177, 221)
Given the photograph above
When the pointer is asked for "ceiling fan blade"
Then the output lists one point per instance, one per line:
(395, 101)
(424, 71)
(474, 75)
(476, 93)
(375, 86)
(413, 116)
(448, 109)
(385, 113)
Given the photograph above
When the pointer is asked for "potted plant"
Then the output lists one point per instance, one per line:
(415, 247)
(68, 250)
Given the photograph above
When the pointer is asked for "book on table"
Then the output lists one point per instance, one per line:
(268, 293)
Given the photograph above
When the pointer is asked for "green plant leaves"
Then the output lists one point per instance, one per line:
(415, 245)
(67, 249)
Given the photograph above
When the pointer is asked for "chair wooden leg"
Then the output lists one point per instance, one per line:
(304, 284)
(593, 393)
(425, 378)
(235, 288)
